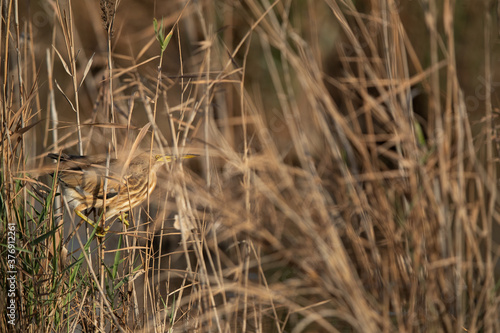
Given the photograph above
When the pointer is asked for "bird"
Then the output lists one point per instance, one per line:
(130, 180)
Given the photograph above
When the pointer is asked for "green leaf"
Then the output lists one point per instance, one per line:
(45, 236)
(420, 134)
(117, 260)
(160, 35)
(166, 40)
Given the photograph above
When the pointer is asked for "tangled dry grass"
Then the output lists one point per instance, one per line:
(347, 179)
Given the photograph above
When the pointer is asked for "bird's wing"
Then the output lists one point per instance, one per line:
(65, 157)
(86, 174)
(88, 181)
(94, 179)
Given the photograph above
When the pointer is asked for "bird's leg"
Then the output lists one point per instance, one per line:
(100, 232)
(123, 218)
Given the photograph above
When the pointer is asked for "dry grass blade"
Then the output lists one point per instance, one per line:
(66, 68)
(87, 69)
(66, 97)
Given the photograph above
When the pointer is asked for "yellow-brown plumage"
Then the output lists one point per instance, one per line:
(128, 184)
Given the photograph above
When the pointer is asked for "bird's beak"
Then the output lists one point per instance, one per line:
(169, 158)
(183, 157)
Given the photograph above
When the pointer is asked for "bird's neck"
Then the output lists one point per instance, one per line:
(152, 181)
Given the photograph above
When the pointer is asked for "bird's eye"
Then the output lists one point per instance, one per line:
(157, 157)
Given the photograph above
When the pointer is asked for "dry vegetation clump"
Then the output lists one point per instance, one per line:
(347, 178)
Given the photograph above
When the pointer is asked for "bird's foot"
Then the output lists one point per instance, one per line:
(100, 231)
(123, 218)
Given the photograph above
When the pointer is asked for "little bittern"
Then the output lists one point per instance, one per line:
(129, 181)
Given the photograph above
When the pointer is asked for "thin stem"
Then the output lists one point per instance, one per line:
(74, 76)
